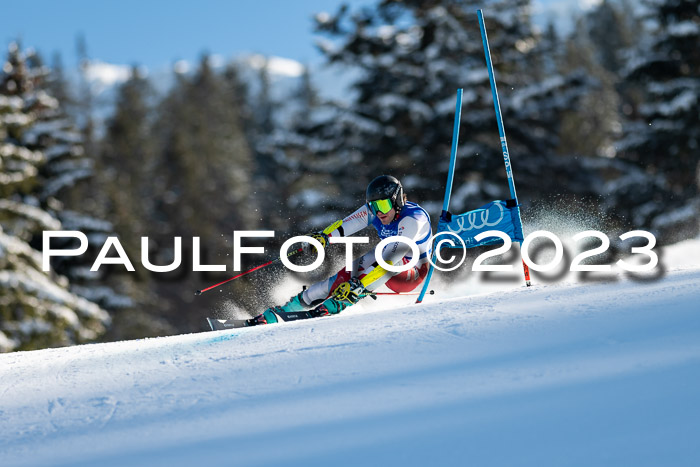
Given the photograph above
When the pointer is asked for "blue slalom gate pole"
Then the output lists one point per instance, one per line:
(497, 106)
(499, 119)
(450, 179)
(453, 153)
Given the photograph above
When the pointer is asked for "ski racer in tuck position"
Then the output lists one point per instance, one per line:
(388, 211)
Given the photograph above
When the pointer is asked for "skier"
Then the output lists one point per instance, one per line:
(388, 211)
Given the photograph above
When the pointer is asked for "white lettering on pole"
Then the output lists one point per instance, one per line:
(47, 252)
(238, 249)
(103, 259)
(506, 157)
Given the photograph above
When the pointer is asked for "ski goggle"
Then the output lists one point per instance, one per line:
(380, 205)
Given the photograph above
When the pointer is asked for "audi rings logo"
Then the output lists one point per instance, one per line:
(477, 220)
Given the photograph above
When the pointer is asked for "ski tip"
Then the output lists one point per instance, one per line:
(199, 292)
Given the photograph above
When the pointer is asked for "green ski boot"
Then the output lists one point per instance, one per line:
(345, 295)
(296, 303)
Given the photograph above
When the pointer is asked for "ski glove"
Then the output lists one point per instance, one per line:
(322, 236)
(322, 239)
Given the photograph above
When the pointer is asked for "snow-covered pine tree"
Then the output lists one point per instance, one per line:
(37, 308)
(305, 97)
(204, 161)
(537, 93)
(662, 135)
(410, 57)
(127, 164)
(203, 183)
(285, 173)
(261, 122)
(57, 83)
(612, 27)
(128, 187)
(590, 131)
(62, 189)
(595, 45)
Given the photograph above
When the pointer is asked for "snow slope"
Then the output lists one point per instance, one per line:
(601, 373)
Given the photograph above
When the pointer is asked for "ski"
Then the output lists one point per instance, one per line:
(221, 324)
(293, 315)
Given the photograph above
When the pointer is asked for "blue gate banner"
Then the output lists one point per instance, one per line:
(496, 215)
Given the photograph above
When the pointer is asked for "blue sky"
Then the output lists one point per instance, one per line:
(157, 33)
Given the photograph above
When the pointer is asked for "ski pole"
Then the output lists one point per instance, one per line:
(432, 292)
(326, 231)
(291, 253)
(373, 295)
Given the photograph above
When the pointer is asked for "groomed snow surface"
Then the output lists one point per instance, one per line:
(566, 373)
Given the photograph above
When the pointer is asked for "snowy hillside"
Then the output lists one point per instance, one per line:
(558, 374)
